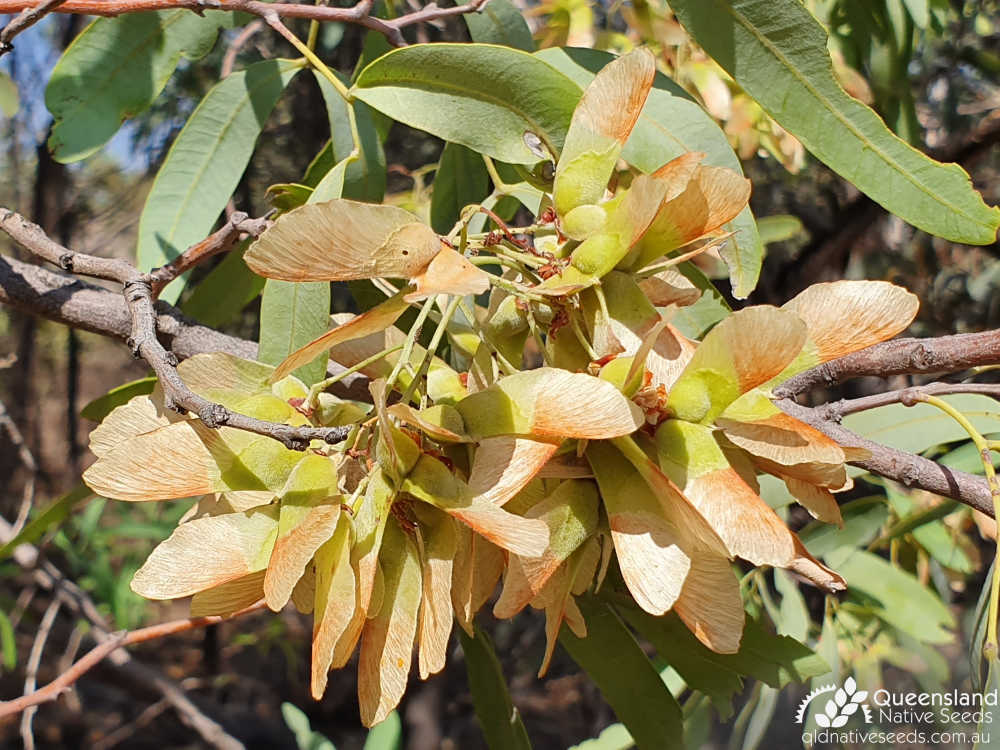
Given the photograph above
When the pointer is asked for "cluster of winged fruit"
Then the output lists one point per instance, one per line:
(633, 444)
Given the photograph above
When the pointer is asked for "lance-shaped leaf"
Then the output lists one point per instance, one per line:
(115, 69)
(713, 197)
(744, 350)
(845, 316)
(387, 641)
(601, 124)
(377, 319)
(431, 481)
(478, 566)
(341, 240)
(689, 454)
(437, 540)
(504, 465)
(227, 598)
(777, 52)
(309, 509)
(336, 603)
(571, 513)
(550, 403)
(207, 552)
(205, 163)
(649, 546)
(711, 604)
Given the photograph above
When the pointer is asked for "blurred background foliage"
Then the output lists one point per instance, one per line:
(929, 67)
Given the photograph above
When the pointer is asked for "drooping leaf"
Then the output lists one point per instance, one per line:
(499, 22)
(100, 407)
(206, 162)
(896, 596)
(363, 179)
(292, 315)
(227, 289)
(628, 681)
(763, 655)
(498, 717)
(10, 100)
(485, 97)
(115, 68)
(460, 179)
(778, 54)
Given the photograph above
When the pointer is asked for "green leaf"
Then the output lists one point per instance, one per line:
(49, 517)
(331, 186)
(364, 179)
(227, 289)
(305, 737)
(614, 737)
(8, 643)
(499, 22)
(895, 595)
(719, 684)
(291, 315)
(115, 68)
(922, 426)
(628, 681)
(672, 124)
(927, 529)
(694, 320)
(461, 179)
(779, 228)
(794, 617)
(763, 655)
(10, 101)
(778, 53)
(386, 735)
(482, 96)
(500, 721)
(863, 518)
(205, 163)
(100, 407)
(986, 730)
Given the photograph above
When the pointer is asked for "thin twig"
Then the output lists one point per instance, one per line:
(229, 60)
(31, 670)
(97, 654)
(29, 463)
(143, 341)
(359, 14)
(29, 16)
(237, 225)
(837, 410)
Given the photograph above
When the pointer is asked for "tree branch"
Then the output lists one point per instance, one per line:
(143, 341)
(908, 469)
(837, 410)
(29, 16)
(358, 14)
(102, 650)
(901, 357)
